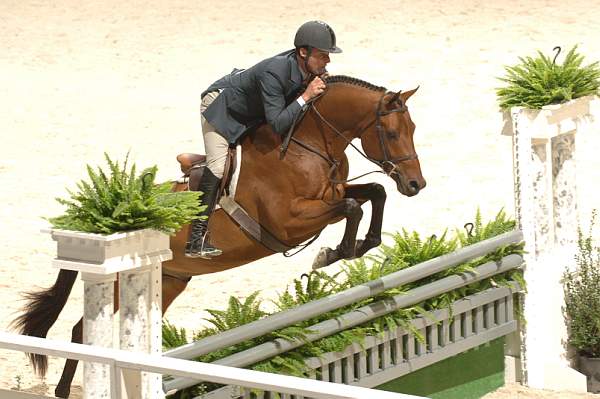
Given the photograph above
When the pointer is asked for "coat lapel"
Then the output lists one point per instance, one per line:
(295, 80)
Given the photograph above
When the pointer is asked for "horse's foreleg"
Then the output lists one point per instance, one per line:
(347, 248)
(314, 215)
(375, 193)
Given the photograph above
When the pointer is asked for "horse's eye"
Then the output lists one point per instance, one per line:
(392, 135)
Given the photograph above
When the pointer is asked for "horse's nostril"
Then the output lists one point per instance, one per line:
(414, 185)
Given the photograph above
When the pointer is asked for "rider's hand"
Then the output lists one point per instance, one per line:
(315, 87)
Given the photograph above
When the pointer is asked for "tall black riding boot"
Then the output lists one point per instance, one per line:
(198, 245)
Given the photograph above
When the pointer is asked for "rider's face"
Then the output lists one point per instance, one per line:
(317, 61)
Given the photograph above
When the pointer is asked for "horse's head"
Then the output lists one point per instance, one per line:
(390, 142)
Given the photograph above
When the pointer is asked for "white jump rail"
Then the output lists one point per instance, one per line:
(325, 328)
(120, 361)
(473, 321)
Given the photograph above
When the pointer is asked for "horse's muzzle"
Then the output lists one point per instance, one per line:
(411, 188)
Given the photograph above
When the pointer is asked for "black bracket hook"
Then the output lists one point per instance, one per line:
(469, 227)
(557, 53)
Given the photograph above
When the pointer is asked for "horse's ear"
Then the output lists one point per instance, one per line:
(407, 94)
(391, 98)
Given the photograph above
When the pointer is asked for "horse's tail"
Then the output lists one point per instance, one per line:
(41, 311)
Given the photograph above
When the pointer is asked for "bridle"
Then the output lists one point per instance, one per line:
(387, 165)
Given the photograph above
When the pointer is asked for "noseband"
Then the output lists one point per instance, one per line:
(388, 164)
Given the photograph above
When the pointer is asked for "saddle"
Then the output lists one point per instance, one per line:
(193, 165)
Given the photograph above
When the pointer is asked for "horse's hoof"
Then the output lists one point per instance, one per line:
(321, 259)
(62, 393)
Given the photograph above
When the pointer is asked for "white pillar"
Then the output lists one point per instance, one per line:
(564, 190)
(546, 211)
(137, 256)
(98, 305)
(140, 325)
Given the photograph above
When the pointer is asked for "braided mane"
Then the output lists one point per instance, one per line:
(353, 81)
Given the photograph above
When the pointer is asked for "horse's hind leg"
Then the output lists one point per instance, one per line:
(63, 389)
(172, 287)
(376, 194)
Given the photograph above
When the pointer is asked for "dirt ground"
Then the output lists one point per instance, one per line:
(517, 391)
(81, 78)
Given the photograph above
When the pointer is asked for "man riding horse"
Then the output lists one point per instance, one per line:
(274, 90)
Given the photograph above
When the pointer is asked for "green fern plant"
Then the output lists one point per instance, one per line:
(476, 231)
(368, 268)
(172, 336)
(318, 285)
(120, 200)
(539, 81)
(237, 313)
(412, 249)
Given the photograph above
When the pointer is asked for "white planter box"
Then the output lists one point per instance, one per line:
(555, 119)
(106, 254)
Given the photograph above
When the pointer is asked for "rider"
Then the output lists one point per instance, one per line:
(270, 91)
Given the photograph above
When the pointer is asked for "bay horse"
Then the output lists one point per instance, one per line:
(294, 198)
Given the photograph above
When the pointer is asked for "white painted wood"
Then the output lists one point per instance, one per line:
(137, 256)
(113, 265)
(410, 347)
(468, 323)
(362, 365)
(387, 353)
(98, 306)
(348, 372)
(478, 320)
(445, 333)
(545, 200)
(433, 338)
(140, 324)
(105, 254)
(325, 372)
(337, 371)
(397, 345)
(379, 376)
(489, 315)
(191, 369)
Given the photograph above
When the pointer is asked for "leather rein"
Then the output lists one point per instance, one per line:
(387, 165)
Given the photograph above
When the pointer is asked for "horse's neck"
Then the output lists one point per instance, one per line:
(344, 109)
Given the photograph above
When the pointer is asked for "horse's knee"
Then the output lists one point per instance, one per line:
(352, 207)
(377, 192)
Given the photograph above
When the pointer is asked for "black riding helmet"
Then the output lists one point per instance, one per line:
(316, 34)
